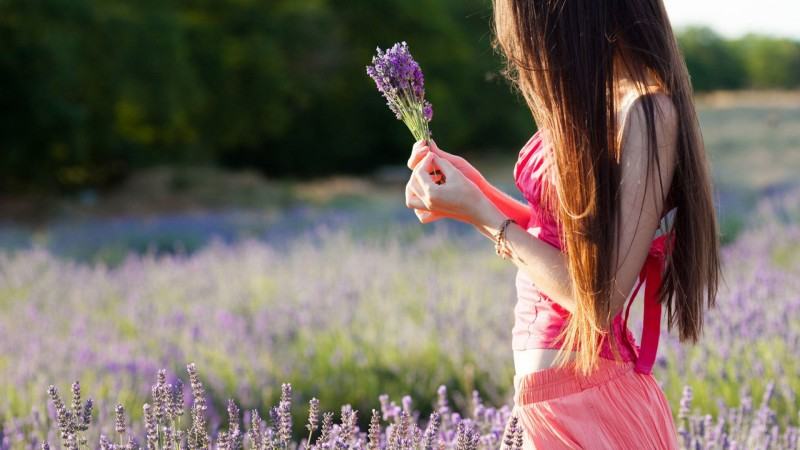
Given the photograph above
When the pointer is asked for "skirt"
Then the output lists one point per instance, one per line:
(613, 408)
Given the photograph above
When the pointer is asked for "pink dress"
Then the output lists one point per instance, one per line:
(620, 405)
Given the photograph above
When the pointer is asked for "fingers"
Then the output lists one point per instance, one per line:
(414, 191)
(445, 166)
(418, 186)
(414, 194)
(413, 200)
(421, 175)
(415, 197)
(417, 152)
(421, 147)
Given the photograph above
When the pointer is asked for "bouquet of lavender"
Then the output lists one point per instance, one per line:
(399, 78)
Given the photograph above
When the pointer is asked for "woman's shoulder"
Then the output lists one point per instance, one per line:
(633, 131)
(665, 112)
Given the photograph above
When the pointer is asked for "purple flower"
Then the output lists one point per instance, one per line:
(406, 401)
(327, 426)
(431, 431)
(285, 413)
(234, 433)
(119, 423)
(313, 414)
(399, 79)
(685, 403)
(427, 111)
(87, 414)
(374, 434)
(150, 426)
(511, 432)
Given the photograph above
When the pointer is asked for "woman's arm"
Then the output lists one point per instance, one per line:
(544, 264)
(508, 205)
(641, 204)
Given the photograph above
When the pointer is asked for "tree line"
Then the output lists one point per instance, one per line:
(93, 90)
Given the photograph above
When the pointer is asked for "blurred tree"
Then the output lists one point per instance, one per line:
(713, 63)
(95, 89)
(91, 90)
(770, 62)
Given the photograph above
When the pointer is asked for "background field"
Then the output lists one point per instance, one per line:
(333, 286)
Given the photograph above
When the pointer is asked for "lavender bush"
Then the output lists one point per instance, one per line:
(485, 427)
(740, 427)
(346, 320)
(399, 79)
(161, 427)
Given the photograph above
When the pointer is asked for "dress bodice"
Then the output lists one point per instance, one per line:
(537, 318)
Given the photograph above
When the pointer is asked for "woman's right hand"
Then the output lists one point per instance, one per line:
(471, 173)
(418, 152)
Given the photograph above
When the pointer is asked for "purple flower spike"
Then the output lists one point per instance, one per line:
(427, 111)
(399, 79)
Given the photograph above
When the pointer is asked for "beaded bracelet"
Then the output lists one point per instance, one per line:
(500, 242)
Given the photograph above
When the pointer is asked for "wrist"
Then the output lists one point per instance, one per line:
(484, 185)
(488, 216)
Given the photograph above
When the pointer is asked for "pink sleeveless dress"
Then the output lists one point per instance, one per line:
(620, 405)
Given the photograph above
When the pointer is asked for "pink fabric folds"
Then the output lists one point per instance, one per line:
(615, 407)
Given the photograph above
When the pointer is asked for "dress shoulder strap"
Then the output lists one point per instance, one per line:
(650, 275)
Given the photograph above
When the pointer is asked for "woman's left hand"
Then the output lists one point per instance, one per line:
(455, 197)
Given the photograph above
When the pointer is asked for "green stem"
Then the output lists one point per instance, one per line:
(310, 432)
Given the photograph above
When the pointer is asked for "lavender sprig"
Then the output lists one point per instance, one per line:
(313, 417)
(285, 414)
(150, 427)
(399, 79)
(327, 426)
(431, 431)
(198, 436)
(63, 416)
(374, 434)
(119, 422)
(511, 433)
(234, 431)
(256, 438)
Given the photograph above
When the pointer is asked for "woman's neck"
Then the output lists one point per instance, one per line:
(625, 80)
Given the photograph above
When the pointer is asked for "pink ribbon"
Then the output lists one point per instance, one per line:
(651, 328)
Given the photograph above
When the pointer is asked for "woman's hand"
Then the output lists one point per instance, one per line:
(456, 197)
(419, 150)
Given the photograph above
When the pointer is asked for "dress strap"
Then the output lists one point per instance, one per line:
(651, 328)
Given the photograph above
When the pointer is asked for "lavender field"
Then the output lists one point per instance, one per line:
(346, 320)
(364, 309)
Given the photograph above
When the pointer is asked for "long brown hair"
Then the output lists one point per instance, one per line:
(562, 55)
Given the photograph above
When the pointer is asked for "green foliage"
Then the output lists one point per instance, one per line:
(96, 89)
(752, 61)
(93, 90)
(713, 62)
(770, 62)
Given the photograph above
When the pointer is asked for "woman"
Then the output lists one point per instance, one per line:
(617, 192)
